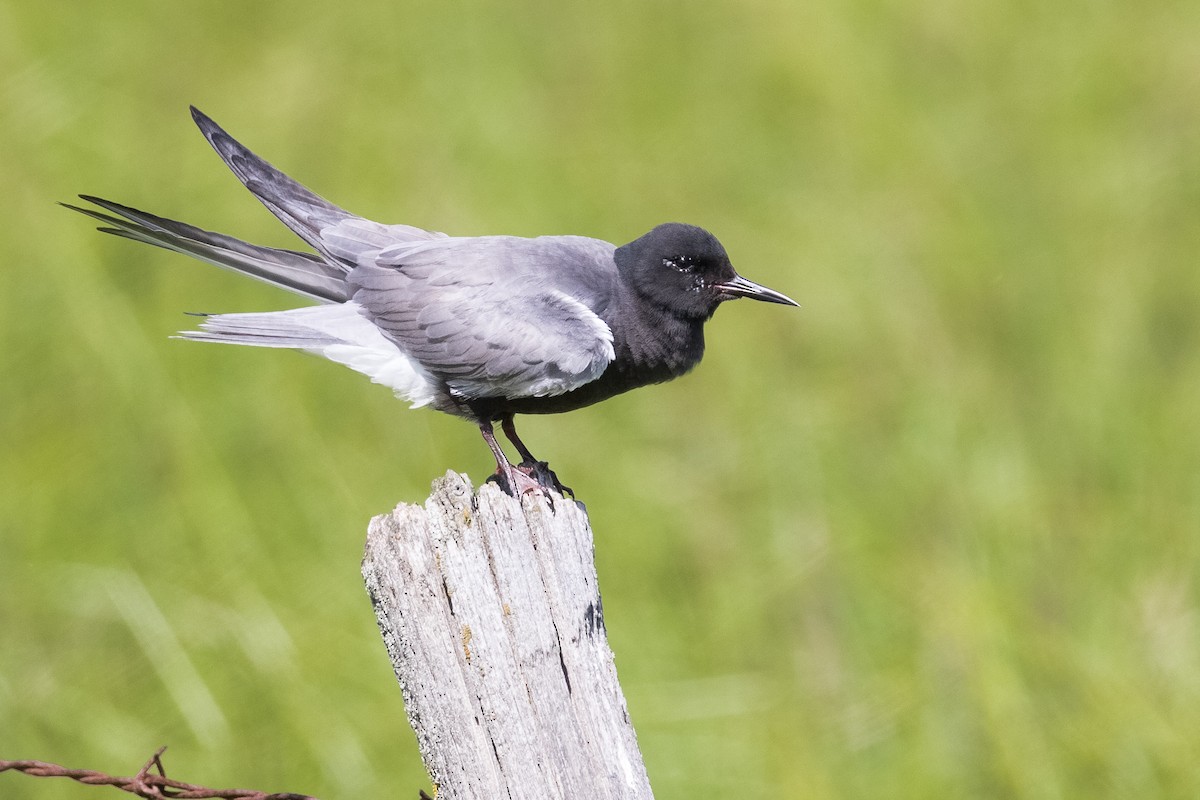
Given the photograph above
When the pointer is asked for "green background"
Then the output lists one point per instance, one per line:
(935, 534)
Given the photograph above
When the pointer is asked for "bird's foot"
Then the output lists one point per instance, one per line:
(516, 482)
(541, 472)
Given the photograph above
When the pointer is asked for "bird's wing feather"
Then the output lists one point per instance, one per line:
(495, 316)
(340, 332)
(333, 231)
(302, 273)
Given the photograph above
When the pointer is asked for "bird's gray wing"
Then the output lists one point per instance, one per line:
(495, 316)
(332, 231)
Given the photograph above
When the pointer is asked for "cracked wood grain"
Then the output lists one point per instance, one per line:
(491, 614)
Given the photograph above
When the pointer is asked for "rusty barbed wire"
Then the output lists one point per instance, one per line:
(149, 786)
(145, 784)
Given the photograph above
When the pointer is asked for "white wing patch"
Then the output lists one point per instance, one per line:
(377, 357)
(338, 332)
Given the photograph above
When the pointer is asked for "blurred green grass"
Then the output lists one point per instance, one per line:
(933, 535)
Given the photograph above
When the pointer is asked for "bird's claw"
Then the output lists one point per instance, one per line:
(541, 472)
(529, 476)
(515, 482)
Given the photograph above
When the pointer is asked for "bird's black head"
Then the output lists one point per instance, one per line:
(686, 270)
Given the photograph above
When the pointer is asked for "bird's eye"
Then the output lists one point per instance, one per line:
(685, 264)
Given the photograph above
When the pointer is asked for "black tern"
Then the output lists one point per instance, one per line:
(481, 327)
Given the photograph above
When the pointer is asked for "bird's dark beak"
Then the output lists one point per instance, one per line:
(740, 287)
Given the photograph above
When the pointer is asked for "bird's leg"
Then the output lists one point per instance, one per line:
(512, 480)
(538, 469)
(510, 430)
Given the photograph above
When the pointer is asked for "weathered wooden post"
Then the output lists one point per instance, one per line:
(490, 610)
